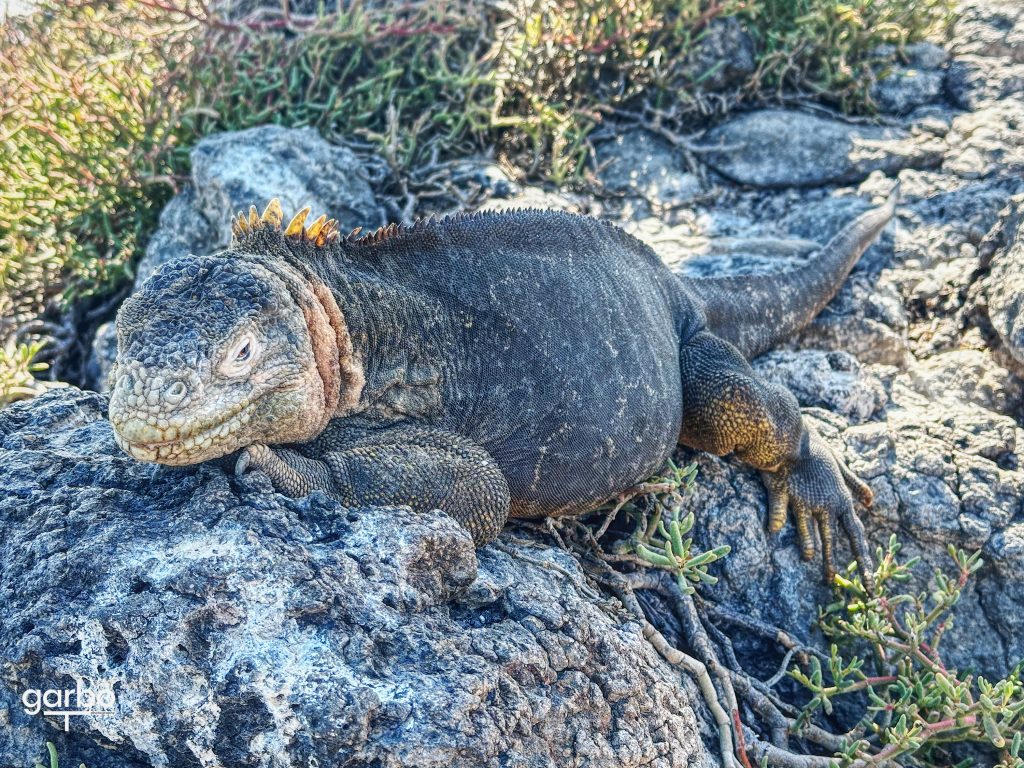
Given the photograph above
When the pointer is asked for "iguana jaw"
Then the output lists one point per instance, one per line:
(181, 445)
(209, 427)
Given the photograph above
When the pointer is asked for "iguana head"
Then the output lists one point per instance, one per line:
(218, 352)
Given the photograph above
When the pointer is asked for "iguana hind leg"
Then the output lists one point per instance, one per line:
(727, 409)
(421, 467)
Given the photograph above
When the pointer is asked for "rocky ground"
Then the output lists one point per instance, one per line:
(243, 628)
(252, 630)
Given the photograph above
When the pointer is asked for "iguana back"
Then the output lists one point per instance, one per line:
(552, 341)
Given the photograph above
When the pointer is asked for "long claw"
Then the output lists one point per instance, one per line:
(243, 462)
(778, 505)
(827, 530)
(251, 458)
(854, 529)
(861, 490)
(804, 525)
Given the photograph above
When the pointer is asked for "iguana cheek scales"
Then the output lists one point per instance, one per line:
(525, 363)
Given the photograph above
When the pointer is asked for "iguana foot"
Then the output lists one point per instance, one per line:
(727, 409)
(421, 467)
(819, 489)
(291, 473)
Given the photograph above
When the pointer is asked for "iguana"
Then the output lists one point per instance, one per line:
(526, 363)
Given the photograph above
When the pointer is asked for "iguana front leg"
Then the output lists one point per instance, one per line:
(726, 409)
(423, 468)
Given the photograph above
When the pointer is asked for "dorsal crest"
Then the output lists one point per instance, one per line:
(319, 233)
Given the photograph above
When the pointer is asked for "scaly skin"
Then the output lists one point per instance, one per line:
(521, 364)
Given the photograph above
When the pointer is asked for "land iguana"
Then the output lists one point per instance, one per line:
(519, 364)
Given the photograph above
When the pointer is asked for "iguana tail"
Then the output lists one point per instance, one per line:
(756, 312)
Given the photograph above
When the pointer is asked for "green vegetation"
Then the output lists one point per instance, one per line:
(52, 750)
(885, 657)
(915, 703)
(17, 367)
(827, 49)
(79, 120)
(659, 527)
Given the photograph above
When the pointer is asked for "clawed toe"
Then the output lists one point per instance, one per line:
(827, 531)
(243, 462)
(805, 531)
(778, 502)
(820, 490)
(860, 490)
(251, 458)
(854, 529)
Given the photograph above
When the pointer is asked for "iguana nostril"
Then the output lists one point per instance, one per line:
(175, 393)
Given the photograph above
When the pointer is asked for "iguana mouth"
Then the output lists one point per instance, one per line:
(146, 441)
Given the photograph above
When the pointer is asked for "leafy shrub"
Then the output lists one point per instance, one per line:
(827, 49)
(406, 79)
(916, 703)
(17, 381)
(557, 65)
(79, 111)
(659, 528)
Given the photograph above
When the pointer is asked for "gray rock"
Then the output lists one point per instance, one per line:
(964, 376)
(974, 81)
(942, 224)
(724, 55)
(903, 89)
(988, 41)
(1004, 592)
(992, 28)
(819, 221)
(232, 171)
(988, 142)
(925, 55)
(844, 327)
(1003, 286)
(913, 78)
(782, 148)
(935, 260)
(832, 380)
(638, 163)
(239, 627)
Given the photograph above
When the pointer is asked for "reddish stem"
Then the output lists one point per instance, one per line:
(741, 744)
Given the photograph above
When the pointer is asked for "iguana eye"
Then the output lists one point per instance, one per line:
(240, 357)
